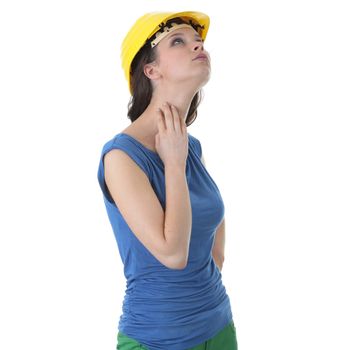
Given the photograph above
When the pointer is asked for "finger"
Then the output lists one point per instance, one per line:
(177, 119)
(160, 121)
(183, 126)
(168, 116)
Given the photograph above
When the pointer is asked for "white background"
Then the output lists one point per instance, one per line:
(274, 128)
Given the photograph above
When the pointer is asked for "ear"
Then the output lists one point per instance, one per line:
(150, 70)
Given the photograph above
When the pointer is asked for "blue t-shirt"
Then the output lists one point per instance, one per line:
(168, 309)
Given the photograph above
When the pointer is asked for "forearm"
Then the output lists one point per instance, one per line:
(178, 213)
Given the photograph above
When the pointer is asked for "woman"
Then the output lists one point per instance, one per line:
(166, 211)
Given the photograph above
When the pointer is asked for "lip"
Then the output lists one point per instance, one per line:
(201, 56)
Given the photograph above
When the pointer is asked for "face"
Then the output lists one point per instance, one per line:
(176, 61)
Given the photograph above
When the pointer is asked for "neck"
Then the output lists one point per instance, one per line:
(180, 99)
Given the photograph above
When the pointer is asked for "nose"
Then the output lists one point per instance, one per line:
(198, 46)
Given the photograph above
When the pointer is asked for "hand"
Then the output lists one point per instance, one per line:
(171, 141)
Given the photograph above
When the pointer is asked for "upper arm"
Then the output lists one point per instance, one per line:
(135, 198)
(218, 249)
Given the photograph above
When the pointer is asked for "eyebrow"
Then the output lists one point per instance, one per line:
(176, 34)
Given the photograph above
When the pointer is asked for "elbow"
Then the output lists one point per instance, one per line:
(219, 260)
(181, 266)
(177, 263)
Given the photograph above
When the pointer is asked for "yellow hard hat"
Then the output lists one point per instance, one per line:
(146, 26)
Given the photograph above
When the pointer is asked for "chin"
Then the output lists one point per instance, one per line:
(204, 81)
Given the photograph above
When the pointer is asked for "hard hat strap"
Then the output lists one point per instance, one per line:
(167, 30)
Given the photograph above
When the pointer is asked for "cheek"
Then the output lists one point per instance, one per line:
(175, 64)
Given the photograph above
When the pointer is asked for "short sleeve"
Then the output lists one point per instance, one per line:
(134, 152)
(197, 145)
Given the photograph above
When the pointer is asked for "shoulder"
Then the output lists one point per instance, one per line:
(129, 148)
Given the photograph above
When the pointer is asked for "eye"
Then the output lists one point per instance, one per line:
(175, 40)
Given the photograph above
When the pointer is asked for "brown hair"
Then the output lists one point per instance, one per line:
(141, 86)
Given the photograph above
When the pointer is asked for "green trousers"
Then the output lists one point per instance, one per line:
(224, 340)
